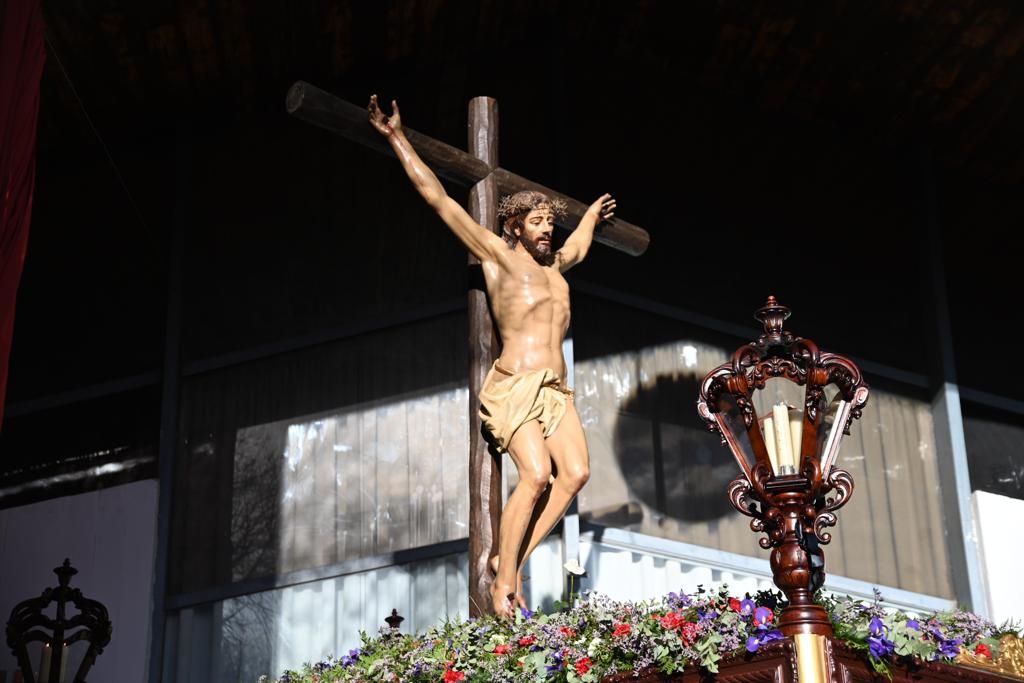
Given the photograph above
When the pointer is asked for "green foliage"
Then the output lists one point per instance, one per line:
(585, 640)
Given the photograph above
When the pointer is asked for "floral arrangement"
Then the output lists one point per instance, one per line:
(598, 637)
(888, 635)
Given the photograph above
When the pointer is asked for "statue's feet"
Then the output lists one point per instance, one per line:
(520, 598)
(503, 600)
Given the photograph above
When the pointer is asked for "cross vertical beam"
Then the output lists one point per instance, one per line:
(484, 468)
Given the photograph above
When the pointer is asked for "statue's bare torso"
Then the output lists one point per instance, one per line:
(530, 304)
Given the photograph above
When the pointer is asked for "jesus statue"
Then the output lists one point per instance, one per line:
(525, 403)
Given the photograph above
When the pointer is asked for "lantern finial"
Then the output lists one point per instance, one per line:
(772, 315)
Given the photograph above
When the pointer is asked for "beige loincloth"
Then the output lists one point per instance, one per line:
(510, 400)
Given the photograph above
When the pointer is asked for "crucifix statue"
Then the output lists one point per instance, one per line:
(525, 406)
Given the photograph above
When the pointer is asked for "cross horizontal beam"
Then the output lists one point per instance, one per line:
(321, 108)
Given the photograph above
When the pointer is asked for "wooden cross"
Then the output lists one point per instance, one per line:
(478, 170)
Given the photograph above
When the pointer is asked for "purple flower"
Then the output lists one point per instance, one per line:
(757, 640)
(351, 658)
(949, 648)
(969, 627)
(558, 664)
(706, 615)
(679, 600)
(747, 607)
(880, 647)
(875, 626)
(913, 623)
(527, 614)
(763, 616)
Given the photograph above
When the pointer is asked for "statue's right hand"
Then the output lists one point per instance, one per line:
(385, 125)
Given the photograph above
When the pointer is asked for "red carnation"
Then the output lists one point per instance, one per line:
(983, 650)
(583, 666)
(526, 640)
(621, 630)
(450, 676)
(502, 649)
(734, 604)
(671, 621)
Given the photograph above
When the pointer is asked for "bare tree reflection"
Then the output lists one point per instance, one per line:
(255, 508)
(249, 636)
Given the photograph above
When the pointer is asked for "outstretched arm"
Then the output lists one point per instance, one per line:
(480, 241)
(578, 244)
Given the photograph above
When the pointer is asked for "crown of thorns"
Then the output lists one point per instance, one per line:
(525, 202)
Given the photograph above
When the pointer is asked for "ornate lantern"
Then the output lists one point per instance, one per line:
(29, 623)
(786, 445)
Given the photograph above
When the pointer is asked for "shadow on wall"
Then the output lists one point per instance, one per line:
(669, 461)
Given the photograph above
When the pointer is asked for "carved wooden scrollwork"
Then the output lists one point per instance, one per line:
(822, 521)
(814, 402)
(840, 482)
(743, 497)
(739, 496)
(775, 366)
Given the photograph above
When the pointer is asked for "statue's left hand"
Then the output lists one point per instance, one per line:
(604, 208)
(380, 121)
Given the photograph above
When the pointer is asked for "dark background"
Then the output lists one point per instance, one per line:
(802, 149)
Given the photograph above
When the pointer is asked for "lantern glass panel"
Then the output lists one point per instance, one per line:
(830, 434)
(734, 429)
(39, 658)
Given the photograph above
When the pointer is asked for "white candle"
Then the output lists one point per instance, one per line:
(768, 430)
(63, 661)
(783, 439)
(44, 664)
(796, 430)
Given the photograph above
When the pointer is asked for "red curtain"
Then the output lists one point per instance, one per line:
(22, 54)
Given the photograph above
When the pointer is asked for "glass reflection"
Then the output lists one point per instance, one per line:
(315, 491)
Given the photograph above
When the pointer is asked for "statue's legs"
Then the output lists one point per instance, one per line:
(534, 509)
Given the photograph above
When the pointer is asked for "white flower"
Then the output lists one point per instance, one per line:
(574, 567)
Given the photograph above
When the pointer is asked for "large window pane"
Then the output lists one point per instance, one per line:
(993, 450)
(365, 481)
(308, 459)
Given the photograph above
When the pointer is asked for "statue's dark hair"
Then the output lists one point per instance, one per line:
(513, 208)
